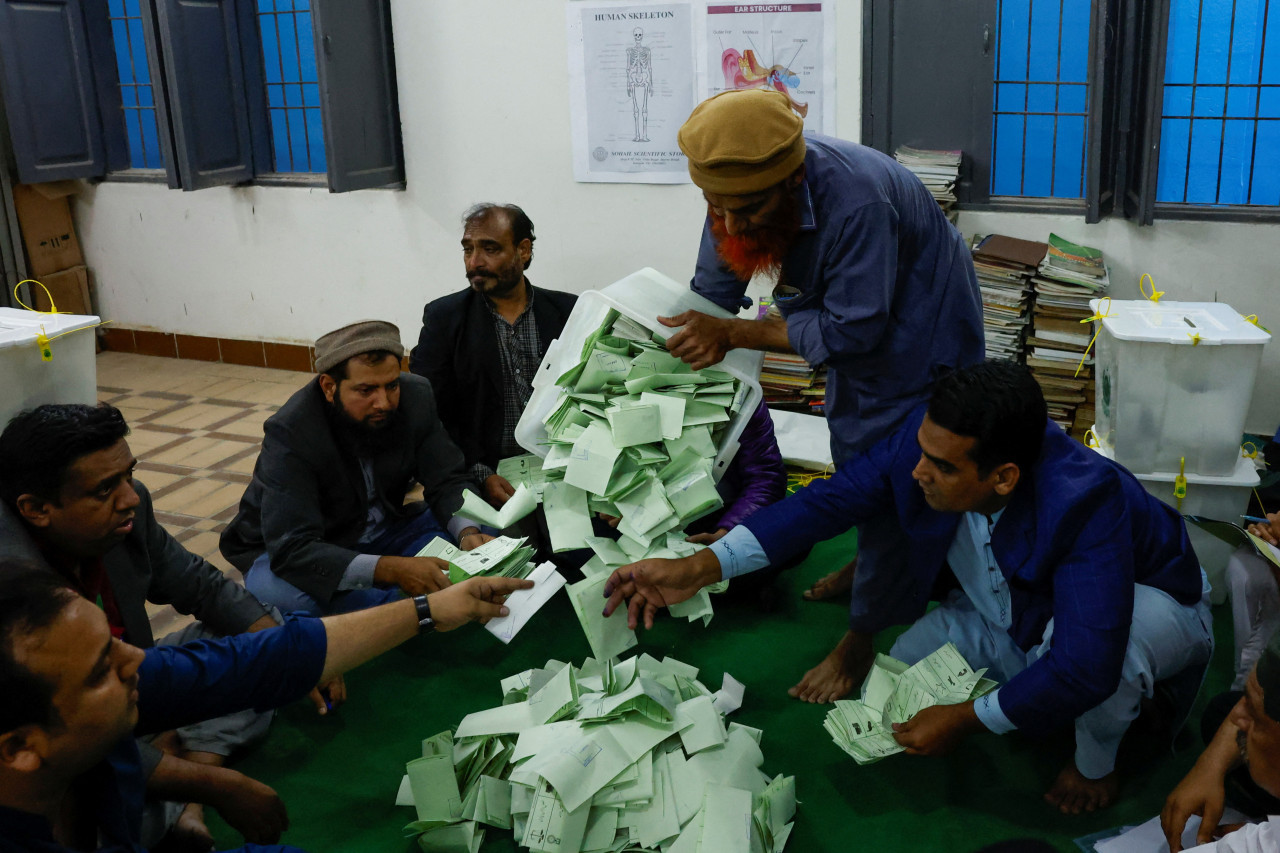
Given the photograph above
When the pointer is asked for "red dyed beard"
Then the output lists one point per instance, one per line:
(761, 250)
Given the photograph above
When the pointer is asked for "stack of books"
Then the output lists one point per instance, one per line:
(791, 383)
(1005, 266)
(937, 170)
(1068, 277)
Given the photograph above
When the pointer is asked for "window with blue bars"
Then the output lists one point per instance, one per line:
(136, 93)
(293, 89)
(1220, 123)
(1040, 121)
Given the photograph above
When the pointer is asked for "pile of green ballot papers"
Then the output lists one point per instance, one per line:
(894, 692)
(604, 757)
(500, 557)
(634, 434)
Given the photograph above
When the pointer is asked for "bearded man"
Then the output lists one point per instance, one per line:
(481, 347)
(323, 526)
(871, 280)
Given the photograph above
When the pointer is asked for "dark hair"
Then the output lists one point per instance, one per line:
(1000, 404)
(30, 600)
(40, 444)
(374, 356)
(521, 224)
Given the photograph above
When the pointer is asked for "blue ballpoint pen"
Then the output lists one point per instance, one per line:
(1253, 519)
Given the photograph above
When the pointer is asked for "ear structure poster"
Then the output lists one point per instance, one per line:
(632, 84)
(788, 47)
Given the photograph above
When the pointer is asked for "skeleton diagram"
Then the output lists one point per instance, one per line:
(639, 84)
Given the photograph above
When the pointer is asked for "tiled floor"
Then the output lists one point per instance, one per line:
(197, 429)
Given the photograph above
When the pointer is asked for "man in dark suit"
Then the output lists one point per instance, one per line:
(69, 505)
(323, 526)
(1075, 588)
(481, 347)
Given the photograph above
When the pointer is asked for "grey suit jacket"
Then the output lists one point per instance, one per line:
(307, 506)
(150, 565)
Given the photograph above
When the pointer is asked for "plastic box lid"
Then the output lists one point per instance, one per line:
(1215, 323)
(1245, 475)
(19, 327)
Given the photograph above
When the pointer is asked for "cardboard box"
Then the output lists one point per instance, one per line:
(44, 215)
(70, 291)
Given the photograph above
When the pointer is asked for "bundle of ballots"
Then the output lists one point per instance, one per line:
(893, 693)
(604, 757)
(633, 434)
(500, 557)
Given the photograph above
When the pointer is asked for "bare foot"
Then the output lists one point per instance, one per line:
(840, 671)
(834, 585)
(189, 833)
(1072, 793)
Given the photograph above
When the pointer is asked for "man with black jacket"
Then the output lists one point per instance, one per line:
(481, 347)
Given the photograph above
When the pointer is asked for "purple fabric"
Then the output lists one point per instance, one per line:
(756, 477)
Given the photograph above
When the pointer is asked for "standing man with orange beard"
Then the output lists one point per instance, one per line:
(872, 280)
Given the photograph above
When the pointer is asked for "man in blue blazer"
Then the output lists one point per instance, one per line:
(1057, 571)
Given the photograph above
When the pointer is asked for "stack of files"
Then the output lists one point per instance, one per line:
(894, 693)
(1068, 277)
(937, 170)
(1004, 266)
(789, 382)
(608, 756)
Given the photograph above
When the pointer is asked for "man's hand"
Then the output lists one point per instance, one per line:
(707, 538)
(474, 599)
(497, 489)
(937, 729)
(1270, 531)
(1201, 792)
(328, 697)
(414, 575)
(651, 584)
(251, 808)
(702, 342)
(472, 538)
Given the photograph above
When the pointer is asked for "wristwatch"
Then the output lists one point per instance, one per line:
(425, 622)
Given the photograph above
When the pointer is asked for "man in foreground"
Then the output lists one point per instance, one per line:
(1074, 587)
(69, 505)
(871, 280)
(481, 347)
(72, 697)
(323, 526)
(1241, 764)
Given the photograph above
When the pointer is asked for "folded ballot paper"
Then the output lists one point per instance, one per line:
(893, 693)
(604, 757)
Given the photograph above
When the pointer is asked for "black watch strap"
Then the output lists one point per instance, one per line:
(425, 622)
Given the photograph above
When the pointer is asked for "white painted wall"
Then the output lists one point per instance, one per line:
(485, 112)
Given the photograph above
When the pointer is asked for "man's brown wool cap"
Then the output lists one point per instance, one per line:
(742, 141)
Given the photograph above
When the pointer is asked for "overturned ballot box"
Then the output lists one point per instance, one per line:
(624, 428)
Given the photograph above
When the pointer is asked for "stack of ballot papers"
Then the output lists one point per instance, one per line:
(500, 557)
(604, 757)
(893, 693)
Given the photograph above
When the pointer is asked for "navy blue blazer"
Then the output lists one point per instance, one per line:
(1077, 535)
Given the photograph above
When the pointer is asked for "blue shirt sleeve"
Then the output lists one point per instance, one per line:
(180, 685)
(739, 552)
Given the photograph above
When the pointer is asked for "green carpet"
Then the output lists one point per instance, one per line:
(339, 775)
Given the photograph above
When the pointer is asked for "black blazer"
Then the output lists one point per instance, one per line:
(458, 352)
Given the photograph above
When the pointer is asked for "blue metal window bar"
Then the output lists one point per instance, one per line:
(293, 90)
(1040, 122)
(136, 94)
(1220, 125)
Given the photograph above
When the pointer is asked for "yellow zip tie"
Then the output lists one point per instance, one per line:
(1249, 450)
(1259, 497)
(1154, 295)
(53, 309)
(1091, 439)
(1180, 482)
(799, 481)
(1104, 310)
(1253, 318)
(1195, 338)
(42, 339)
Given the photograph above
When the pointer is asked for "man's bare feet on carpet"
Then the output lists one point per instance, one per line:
(832, 586)
(839, 673)
(1072, 793)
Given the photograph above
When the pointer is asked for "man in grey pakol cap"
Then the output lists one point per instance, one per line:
(323, 527)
